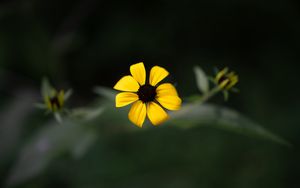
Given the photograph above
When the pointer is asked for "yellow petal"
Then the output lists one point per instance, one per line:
(54, 107)
(223, 84)
(231, 75)
(127, 83)
(61, 98)
(157, 74)
(166, 89)
(169, 102)
(48, 103)
(138, 72)
(233, 80)
(137, 113)
(221, 74)
(156, 114)
(125, 98)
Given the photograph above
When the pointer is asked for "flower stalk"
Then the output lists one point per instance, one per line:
(209, 94)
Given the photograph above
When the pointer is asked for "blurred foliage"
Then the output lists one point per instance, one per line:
(80, 44)
(74, 135)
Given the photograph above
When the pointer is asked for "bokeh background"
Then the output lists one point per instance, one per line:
(80, 44)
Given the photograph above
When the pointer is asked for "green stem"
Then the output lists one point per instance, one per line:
(210, 94)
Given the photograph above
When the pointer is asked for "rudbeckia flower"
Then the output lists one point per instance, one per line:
(147, 95)
(225, 79)
(55, 101)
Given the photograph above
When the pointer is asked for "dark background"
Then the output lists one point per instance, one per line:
(82, 44)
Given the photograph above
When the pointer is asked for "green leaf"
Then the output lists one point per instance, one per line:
(13, 117)
(83, 144)
(106, 92)
(49, 143)
(192, 115)
(201, 79)
(68, 94)
(74, 135)
(46, 87)
(40, 106)
(87, 114)
(58, 117)
(226, 95)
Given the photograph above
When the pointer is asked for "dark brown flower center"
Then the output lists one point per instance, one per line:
(147, 93)
(54, 101)
(224, 78)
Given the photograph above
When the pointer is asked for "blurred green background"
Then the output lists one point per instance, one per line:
(80, 44)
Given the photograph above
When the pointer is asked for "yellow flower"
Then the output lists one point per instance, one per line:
(147, 95)
(55, 100)
(225, 79)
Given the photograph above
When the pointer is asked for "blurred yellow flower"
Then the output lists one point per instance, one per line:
(55, 100)
(148, 96)
(225, 79)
